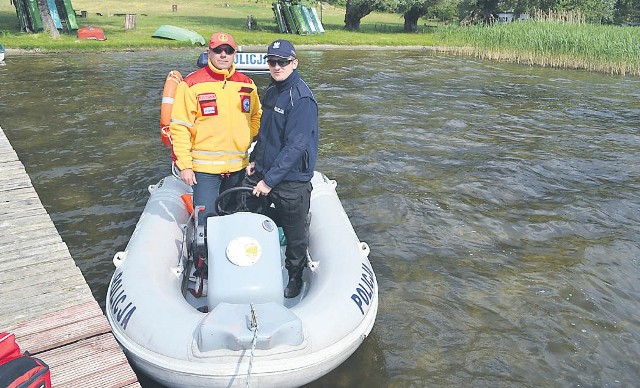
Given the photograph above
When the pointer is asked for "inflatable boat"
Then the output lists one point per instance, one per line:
(203, 305)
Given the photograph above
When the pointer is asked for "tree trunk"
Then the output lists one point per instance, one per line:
(351, 22)
(411, 21)
(130, 21)
(355, 12)
(47, 21)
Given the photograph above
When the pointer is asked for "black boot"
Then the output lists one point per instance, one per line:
(293, 287)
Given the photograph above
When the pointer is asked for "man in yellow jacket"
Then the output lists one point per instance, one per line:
(215, 116)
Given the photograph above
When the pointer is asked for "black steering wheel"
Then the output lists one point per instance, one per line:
(244, 201)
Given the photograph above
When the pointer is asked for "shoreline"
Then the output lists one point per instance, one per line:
(245, 48)
(521, 58)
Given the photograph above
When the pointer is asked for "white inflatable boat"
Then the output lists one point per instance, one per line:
(240, 330)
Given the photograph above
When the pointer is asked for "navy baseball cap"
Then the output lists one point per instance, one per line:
(281, 48)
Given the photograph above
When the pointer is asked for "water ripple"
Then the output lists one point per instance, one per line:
(501, 202)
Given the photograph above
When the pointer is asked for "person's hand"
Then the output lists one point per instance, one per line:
(261, 189)
(251, 168)
(188, 176)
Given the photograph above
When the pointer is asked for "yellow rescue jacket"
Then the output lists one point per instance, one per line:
(215, 116)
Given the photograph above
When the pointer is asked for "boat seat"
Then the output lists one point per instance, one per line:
(228, 326)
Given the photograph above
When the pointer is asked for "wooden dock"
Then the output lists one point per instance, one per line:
(44, 299)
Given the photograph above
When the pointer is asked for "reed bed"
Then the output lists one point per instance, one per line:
(610, 49)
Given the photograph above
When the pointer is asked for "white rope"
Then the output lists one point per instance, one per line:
(253, 327)
(313, 265)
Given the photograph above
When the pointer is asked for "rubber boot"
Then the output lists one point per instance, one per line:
(293, 288)
(295, 284)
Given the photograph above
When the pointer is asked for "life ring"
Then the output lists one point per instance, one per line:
(170, 85)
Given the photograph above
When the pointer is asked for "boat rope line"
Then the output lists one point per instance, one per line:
(313, 265)
(253, 326)
(175, 171)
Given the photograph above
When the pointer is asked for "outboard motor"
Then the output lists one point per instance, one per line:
(200, 254)
(245, 263)
(203, 59)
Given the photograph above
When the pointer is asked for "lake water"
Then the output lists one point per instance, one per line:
(501, 202)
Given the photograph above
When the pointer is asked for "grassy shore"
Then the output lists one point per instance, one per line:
(204, 17)
(608, 49)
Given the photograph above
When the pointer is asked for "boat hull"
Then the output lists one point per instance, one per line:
(91, 32)
(176, 33)
(297, 340)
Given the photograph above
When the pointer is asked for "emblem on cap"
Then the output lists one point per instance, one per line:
(276, 44)
(223, 37)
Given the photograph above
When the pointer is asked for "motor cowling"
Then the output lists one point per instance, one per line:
(244, 258)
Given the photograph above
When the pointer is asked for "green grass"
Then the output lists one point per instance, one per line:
(204, 17)
(608, 49)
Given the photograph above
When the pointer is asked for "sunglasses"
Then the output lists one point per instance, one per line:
(227, 50)
(280, 62)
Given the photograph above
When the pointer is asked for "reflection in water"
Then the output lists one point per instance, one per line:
(501, 203)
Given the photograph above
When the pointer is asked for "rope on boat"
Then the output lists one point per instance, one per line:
(254, 328)
(175, 171)
(313, 265)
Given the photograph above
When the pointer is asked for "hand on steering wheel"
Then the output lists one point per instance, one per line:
(245, 201)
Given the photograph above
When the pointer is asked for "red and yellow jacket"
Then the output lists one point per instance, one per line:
(215, 116)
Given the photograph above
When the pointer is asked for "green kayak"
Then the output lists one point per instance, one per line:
(176, 33)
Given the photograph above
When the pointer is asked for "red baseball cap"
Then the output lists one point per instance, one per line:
(220, 38)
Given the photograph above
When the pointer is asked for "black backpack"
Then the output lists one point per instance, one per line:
(18, 370)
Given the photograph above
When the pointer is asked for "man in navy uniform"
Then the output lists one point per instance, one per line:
(284, 157)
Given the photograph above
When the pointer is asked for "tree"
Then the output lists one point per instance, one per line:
(594, 11)
(357, 9)
(47, 21)
(478, 11)
(445, 10)
(627, 11)
(412, 10)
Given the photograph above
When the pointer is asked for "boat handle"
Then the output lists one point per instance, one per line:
(364, 247)
(118, 258)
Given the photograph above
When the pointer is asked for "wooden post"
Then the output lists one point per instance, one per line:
(130, 21)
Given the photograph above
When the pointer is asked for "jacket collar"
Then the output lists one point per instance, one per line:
(291, 80)
(223, 74)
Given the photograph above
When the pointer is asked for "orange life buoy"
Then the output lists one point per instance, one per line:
(170, 85)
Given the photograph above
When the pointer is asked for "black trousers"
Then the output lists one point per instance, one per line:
(292, 201)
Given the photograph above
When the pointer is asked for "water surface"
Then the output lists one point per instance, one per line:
(501, 202)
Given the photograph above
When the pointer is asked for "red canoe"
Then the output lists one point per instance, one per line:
(91, 32)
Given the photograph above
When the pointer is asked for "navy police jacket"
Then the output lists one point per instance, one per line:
(287, 145)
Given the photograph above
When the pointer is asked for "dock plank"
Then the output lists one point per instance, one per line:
(86, 372)
(16, 310)
(32, 256)
(88, 348)
(37, 238)
(14, 176)
(81, 355)
(35, 273)
(16, 279)
(44, 297)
